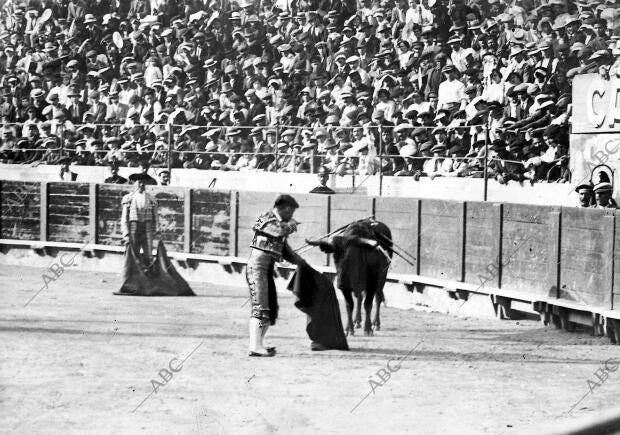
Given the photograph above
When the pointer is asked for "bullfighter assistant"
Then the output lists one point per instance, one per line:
(268, 246)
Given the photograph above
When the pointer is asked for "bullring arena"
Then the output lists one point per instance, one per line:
(78, 359)
(176, 174)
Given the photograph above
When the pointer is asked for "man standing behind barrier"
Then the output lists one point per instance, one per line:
(585, 193)
(268, 246)
(139, 218)
(602, 194)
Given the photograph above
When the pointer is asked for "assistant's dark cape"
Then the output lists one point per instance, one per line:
(160, 279)
(315, 296)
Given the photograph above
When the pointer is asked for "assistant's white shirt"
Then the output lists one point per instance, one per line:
(140, 199)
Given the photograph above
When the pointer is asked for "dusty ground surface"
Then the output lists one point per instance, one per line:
(79, 360)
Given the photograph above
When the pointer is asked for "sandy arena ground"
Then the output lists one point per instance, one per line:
(79, 360)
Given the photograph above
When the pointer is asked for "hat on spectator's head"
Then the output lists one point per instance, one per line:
(89, 18)
(47, 110)
(210, 63)
(233, 132)
(454, 40)
(540, 71)
(425, 113)
(439, 130)
(310, 145)
(584, 186)
(330, 144)
(402, 127)
(420, 131)
(599, 55)
(603, 187)
(458, 25)
(426, 146)
(259, 119)
(563, 101)
(211, 132)
(518, 37)
(506, 18)
(361, 116)
(515, 51)
(515, 74)
(36, 93)
(572, 19)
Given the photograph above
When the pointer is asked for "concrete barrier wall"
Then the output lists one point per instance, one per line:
(587, 256)
(529, 241)
(567, 253)
(483, 243)
(460, 189)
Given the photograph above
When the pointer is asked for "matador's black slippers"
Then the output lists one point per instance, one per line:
(260, 354)
(317, 346)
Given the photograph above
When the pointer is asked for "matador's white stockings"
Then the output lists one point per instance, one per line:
(257, 334)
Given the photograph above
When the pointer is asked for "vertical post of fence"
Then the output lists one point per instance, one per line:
(62, 140)
(92, 212)
(276, 145)
(486, 159)
(380, 160)
(43, 211)
(170, 151)
(187, 220)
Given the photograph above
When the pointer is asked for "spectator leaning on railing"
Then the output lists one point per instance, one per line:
(401, 88)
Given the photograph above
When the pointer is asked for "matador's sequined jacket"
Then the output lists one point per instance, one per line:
(270, 238)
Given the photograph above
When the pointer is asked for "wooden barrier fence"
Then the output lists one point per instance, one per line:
(569, 254)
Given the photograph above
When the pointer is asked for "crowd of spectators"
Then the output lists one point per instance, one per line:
(429, 88)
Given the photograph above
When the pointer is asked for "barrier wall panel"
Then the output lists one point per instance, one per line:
(312, 214)
(109, 210)
(348, 208)
(482, 234)
(400, 214)
(439, 236)
(616, 264)
(171, 215)
(210, 224)
(20, 210)
(586, 256)
(67, 212)
(528, 245)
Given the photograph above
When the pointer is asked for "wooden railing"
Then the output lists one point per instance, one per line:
(536, 252)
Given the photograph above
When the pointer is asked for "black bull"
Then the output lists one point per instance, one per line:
(362, 255)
